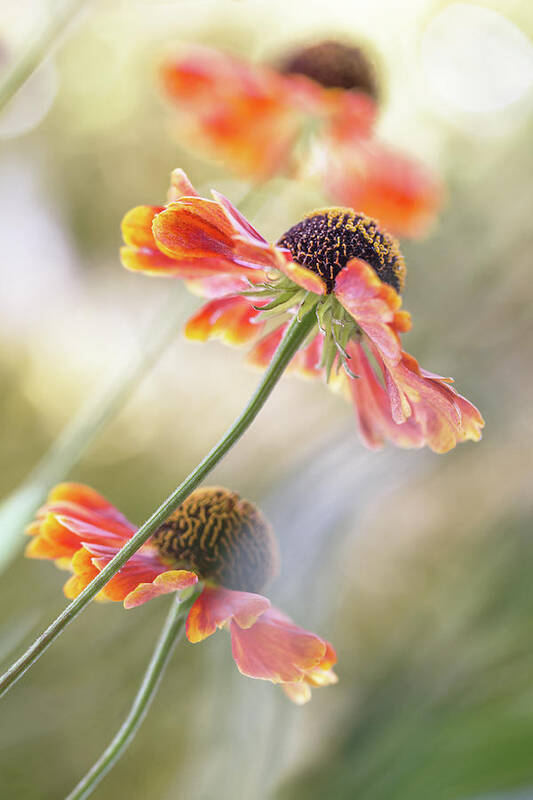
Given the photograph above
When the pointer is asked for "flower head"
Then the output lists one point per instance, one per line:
(334, 65)
(215, 537)
(343, 263)
(325, 96)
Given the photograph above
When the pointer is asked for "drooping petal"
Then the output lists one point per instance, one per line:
(276, 649)
(262, 352)
(306, 362)
(217, 606)
(373, 304)
(444, 416)
(373, 408)
(232, 319)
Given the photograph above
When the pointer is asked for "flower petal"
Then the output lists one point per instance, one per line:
(304, 277)
(372, 303)
(444, 416)
(141, 253)
(262, 352)
(373, 408)
(240, 111)
(276, 649)
(175, 580)
(232, 319)
(399, 191)
(216, 606)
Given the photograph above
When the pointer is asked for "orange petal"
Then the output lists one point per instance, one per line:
(84, 572)
(137, 226)
(175, 580)
(372, 303)
(193, 227)
(241, 112)
(232, 319)
(216, 606)
(153, 262)
(399, 191)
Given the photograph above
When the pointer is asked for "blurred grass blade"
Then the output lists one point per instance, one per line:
(36, 50)
(18, 508)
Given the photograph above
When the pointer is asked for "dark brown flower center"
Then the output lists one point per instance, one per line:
(328, 238)
(334, 65)
(222, 538)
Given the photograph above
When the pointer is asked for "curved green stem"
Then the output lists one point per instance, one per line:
(172, 630)
(292, 340)
(36, 50)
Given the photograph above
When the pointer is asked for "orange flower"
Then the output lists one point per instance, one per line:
(335, 258)
(215, 537)
(254, 115)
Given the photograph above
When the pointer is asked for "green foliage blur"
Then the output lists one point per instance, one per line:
(417, 567)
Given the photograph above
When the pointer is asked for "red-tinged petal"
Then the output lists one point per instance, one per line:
(218, 285)
(154, 262)
(444, 417)
(175, 580)
(373, 409)
(276, 649)
(351, 116)
(372, 303)
(262, 352)
(306, 362)
(74, 513)
(399, 191)
(180, 186)
(143, 568)
(87, 498)
(216, 606)
(102, 531)
(196, 231)
(193, 227)
(239, 223)
(301, 275)
(232, 319)
(242, 112)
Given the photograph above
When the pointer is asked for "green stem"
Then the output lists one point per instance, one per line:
(18, 508)
(293, 338)
(36, 50)
(172, 630)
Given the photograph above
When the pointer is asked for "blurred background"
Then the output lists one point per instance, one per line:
(417, 567)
